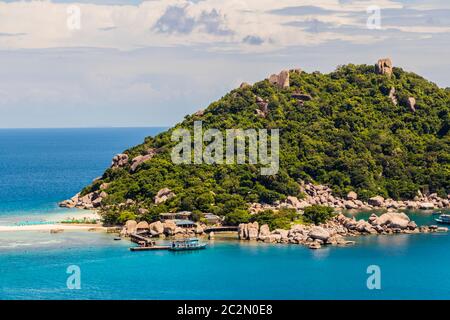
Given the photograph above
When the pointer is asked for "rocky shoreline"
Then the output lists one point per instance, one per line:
(336, 230)
(313, 195)
(322, 195)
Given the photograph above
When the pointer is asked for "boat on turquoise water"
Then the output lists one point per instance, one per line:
(443, 218)
(187, 244)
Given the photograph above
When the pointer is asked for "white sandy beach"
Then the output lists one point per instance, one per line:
(48, 227)
(90, 215)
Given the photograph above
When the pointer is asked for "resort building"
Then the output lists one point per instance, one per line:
(182, 215)
(185, 223)
(212, 218)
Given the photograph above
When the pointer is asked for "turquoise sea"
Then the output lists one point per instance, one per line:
(39, 167)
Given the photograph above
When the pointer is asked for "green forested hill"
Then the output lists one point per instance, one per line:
(350, 135)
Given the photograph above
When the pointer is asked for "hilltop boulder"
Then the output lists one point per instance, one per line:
(281, 80)
(384, 66)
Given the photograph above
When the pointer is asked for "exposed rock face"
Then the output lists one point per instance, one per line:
(88, 201)
(392, 96)
(377, 201)
(263, 107)
(352, 196)
(384, 66)
(198, 230)
(199, 113)
(169, 227)
(333, 231)
(411, 103)
(393, 220)
(301, 96)
(296, 70)
(262, 104)
(130, 226)
(156, 228)
(137, 161)
(163, 195)
(120, 160)
(104, 186)
(264, 232)
(245, 85)
(143, 225)
(248, 231)
(315, 245)
(319, 233)
(281, 80)
(426, 206)
(142, 211)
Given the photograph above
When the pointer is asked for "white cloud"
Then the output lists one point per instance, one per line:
(140, 65)
(218, 24)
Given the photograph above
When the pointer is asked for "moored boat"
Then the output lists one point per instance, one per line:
(443, 218)
(187, 244)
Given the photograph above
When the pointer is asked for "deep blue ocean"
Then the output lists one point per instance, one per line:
(40, 167)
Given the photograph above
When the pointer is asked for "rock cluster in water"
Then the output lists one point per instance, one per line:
(335, 230)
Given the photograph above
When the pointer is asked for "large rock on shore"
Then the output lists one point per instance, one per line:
(426, 205)
(131, 226)
(156, 228)
(393, 220)
(169, 227)
(377, 201)
(143, 225)
(248, 231)
(364, 227)
(264, 232)
(319, 233)
(352, 195)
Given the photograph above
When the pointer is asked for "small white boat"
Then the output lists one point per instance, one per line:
(443, 218)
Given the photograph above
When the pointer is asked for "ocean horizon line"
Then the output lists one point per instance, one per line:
(88, 127)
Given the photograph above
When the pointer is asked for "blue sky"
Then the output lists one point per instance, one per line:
(149, 63)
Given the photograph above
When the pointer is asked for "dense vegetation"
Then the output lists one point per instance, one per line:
(350, 136)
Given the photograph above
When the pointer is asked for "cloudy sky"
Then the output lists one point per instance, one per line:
(88, 63)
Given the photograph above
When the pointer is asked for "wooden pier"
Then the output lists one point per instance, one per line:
(150, 248)
(141, 239)
(221, 229)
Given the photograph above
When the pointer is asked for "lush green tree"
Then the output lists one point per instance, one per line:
(318, 214)
(125, 216)
(237, 216)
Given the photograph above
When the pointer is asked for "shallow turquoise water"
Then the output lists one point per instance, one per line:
(411, 267)
(39, 168)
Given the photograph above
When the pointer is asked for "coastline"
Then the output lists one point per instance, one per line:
(54, 222)
(57, 226)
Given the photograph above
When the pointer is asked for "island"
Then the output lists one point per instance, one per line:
(361, 138)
